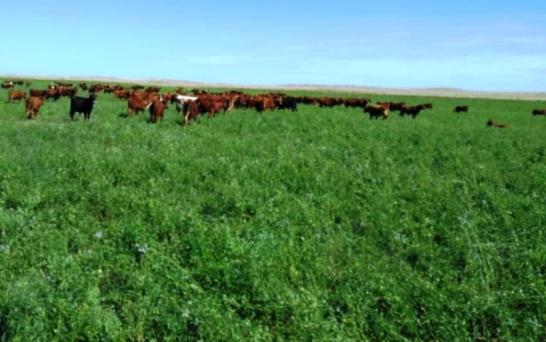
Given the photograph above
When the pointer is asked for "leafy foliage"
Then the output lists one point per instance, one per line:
(319, 225)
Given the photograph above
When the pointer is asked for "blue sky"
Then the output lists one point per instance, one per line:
(476, 45)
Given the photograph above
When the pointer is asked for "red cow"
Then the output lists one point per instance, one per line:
(137, 103)
(157, 110)
(329, 102)
(355, 103)
(412, 111)
(378, 111)
(16, 95)
(33, 105)
(38, 93)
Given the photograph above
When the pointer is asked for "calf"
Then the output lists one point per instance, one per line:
(157, 110)
(461, 109)
(16, 95)
(33, 105)
(82, 105)
(537, 112)
(493, 123)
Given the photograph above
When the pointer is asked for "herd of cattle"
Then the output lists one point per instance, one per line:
(195, 102)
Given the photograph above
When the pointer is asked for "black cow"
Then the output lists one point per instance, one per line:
(288, 103)
(82, 105)
(461, 109)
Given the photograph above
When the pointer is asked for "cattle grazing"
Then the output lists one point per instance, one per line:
(53, 93)
(412, 111)
(308, 100)
(96, 88)
(64, 84)
(191, 111)
(288, 103)
(181, 100)
(329, 102)
(393, 106)
(16, 95)
(538, 112)
(7, 84)
(355, 103)
(83, 86)
(137, 87)
(153, 89)
(377, 111)
(122, 94)
(38, 93)
(427, 106)
(33, 105)
(493, 123)
(82, 105)
(157, 110)
(138, 102)
(199, 91)
(461, 109)
(263, 103)
(211, 105)
(18, 82)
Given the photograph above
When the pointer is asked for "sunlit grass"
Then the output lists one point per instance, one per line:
(319, 224)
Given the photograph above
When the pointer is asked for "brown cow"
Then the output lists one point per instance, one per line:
(211, 105)
(153, 89)
(393, 106)
(16, 95)
(539, 112)
(329, 102)
(33, 105)
(378, 111)
(493, 123)
(138, 102)
(157, 110)
(412, 111)
(122, 94)
(96, 88)
(38, 93)
(191, 111)
(355, 103)
(308, 100)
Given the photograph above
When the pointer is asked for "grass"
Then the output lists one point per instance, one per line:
(316, 225)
